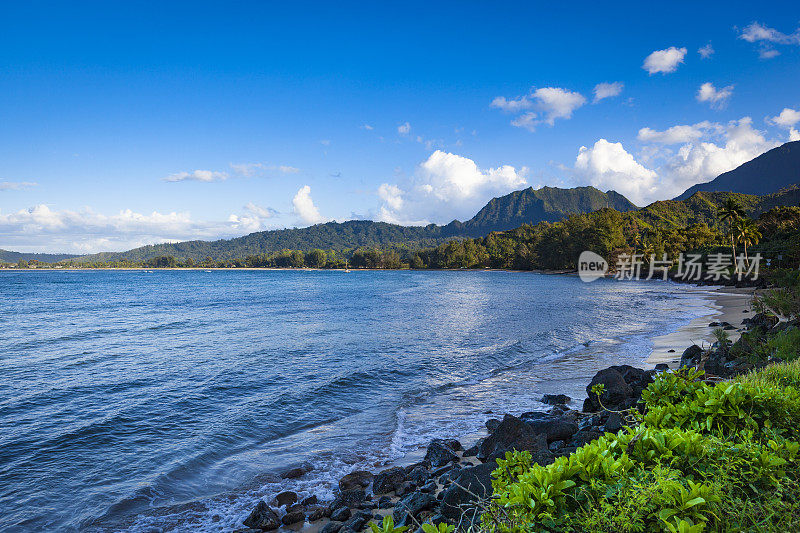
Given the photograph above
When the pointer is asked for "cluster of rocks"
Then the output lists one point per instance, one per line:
(449, 484)
(724, 359)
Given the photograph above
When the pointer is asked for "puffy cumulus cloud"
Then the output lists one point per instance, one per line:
(558, 103)
(304, 207)
(706, 51)
(706, 150)
(446, 186)
(16, 185)
(43, 229)
(786, 119)
(607, 165)
(198, 175)
(607, 90)
(677, 134)
(664, 61)
(716, 98)
(404, 128)
(794, 135)
(551, 103)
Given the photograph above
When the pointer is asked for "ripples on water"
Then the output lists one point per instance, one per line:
(133, 400)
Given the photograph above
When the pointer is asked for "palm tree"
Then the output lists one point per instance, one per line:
(747, 233)
(731, 211)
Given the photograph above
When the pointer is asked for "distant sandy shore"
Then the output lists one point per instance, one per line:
(727, 304)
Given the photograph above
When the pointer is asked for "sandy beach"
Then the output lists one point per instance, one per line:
(726, 304)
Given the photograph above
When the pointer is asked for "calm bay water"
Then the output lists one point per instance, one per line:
(169, 400)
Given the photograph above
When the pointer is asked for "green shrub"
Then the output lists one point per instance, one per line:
(704, 457)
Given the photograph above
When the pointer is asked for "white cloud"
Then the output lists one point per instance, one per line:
(446, 186)
(263, 212)
(664, 61)
(16, 185)
(304, 207)
(514, 105)
(404, 128)
(707, 150)
(794, 135)
(42, 229)
(677, 134)
(325, 142)
(551, 103)
(716, 98)
(367, 127)
(786, 119)
(706, 51)
(198, 175)
(608, 165)
(756, 32)
(246, 169)
(607, 90)
(526, 120)
(286, 169)
(558, 103)
(767, 37)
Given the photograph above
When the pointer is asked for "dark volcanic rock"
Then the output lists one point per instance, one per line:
(340, 514)
(553, 428)
(293, 518)
(349, 498)
(454, 444)
(385, 502)
(263, 518)
(460, 497)
(472, 451)
(418, 476)
(440, 453)
(388, 480)
(623, 387)
(515, 434)
(357, 521)
(286, 497)
(614, 423)
(316, 513)
(555, 399)
(691, 356)
(297, 471)
(662, 367)
(585, 436)
(311, 500)
(355, 480)
(411, 506)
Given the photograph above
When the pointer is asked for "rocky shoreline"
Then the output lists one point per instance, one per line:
(449, 484)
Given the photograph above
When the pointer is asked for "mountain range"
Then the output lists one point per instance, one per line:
(766, 175)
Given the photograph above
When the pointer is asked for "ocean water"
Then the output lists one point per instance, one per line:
(169, 401)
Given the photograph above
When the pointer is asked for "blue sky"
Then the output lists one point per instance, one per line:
(127, 124)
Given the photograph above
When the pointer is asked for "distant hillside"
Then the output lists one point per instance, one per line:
(767, 173)
(531, 206)
(702, 206)
(528, 206)
(7, 256)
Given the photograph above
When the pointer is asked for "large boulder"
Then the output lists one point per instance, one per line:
(348, 498)
(514, 434)
(691, 356)
(357, 521)
(389, 480)
(411, 506)
(440, 453)
(359, 479)
(286, 497)
(623, 387)
(293, 518)
(263, 518)
(552, 427)
(470, 486)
